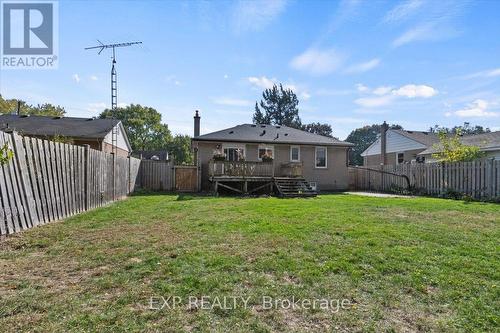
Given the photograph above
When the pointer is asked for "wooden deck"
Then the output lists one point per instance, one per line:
(256, 177)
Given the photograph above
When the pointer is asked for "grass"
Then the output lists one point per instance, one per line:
(403, 264)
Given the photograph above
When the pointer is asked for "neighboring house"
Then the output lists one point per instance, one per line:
(155, 155)
(400, 147)
(79, 131)
(489, 143)
(320, 160)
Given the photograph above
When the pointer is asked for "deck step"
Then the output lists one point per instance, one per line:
(294, 187)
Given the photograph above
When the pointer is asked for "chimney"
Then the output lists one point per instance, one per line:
(383, 143)
(196, 124)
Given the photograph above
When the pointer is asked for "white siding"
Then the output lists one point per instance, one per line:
(395, 143)
(120, 139)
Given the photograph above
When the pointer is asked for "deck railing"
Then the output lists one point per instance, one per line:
(241, 169)
(291, 169)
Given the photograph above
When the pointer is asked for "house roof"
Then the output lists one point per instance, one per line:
(162, 155)
(270, 134)
(425, 138)
(485, 141)
(65, 126)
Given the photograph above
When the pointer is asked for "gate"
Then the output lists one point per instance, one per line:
(186, 178)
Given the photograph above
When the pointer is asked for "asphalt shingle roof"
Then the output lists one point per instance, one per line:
(485, 141)
(425, 138)
(269, 134)
(64, 126)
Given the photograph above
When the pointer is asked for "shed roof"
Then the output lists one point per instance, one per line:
(270, 134)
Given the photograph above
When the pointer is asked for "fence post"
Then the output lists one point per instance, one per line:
(129, 178)
(114, 175)
(490, 178)
(86, 166)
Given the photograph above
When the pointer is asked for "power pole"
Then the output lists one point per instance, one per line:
(114, 84)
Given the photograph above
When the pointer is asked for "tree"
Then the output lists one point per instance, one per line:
(46, 109)
(143, 126)
(362, 138)
(145, 131)
(317, 128)
(451, 149)
(280, 107)
(465, 129)
(6, 154)
(180, 148)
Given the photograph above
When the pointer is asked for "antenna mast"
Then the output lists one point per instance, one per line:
(114, 85)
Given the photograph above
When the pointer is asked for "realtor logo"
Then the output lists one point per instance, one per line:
(29, 34)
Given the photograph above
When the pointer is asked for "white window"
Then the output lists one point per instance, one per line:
(400, 158)
(321, 157)
(234, 152)
(295, 153)
(266, 151)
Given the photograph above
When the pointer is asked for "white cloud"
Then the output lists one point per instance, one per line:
(412, 91)
(385, 95)
(232, 101)
(382, 90)
(403, 10)
(362, 88)
(317, 62)
(305, 95)
(96, 107)
(76, 78)
(363, 67)
(257, 14)
(267, 83)
(262, 82)
(226, 76)
(475, 109)
(485, 74)
(94, 78)
(418, 33)
(438, 21)
(373, 102)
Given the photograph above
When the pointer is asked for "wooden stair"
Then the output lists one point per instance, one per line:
(293, 187)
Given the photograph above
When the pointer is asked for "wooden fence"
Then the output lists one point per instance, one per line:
(165, 176)
(47, 181)
(478, 179)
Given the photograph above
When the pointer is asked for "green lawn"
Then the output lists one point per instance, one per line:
(401, 264)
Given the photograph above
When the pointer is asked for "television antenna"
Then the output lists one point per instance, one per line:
(114, 86)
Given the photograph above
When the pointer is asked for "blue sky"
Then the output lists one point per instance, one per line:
(417, 63)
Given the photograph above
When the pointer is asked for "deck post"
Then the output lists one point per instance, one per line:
(216, 188)
(245, 187)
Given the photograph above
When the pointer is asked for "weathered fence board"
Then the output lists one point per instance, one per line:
(47, 181)
(477, 179)
(156, 175)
